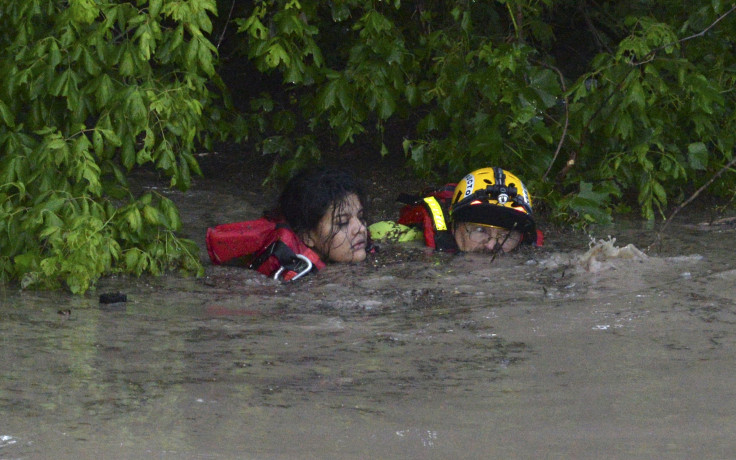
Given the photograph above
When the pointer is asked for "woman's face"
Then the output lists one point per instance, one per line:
(481, 238)
(341, 235)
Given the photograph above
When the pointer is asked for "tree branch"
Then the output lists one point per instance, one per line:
(567, 120)
(650, 55)
(224, 29)
(690, 200)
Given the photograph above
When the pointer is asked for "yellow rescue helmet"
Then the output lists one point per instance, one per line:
(494, 196)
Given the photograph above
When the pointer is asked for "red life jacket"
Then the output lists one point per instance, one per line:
(266, 245)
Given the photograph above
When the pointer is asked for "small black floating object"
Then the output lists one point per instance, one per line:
(65, 313)
(113, 297)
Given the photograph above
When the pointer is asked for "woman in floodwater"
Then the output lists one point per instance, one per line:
(324, 207)
(318, 219)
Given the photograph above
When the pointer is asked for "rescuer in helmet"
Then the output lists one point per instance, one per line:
(489, 210)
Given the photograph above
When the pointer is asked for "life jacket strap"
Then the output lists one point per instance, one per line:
(300, 271)
(429, 213)
(437, 213)
(291, 265)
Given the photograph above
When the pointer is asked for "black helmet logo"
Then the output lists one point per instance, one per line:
(469, 184)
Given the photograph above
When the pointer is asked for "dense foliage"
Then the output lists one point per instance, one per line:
(91, 90)
(599, 106)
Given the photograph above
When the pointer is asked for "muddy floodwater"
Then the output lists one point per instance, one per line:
(585, 348)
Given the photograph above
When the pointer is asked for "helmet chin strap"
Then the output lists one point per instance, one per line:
(497, 248)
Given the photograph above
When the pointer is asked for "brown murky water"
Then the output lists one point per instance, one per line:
(544, 353)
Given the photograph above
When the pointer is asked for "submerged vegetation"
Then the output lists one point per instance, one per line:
(601, 107)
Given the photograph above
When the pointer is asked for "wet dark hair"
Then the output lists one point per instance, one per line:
(309, 194)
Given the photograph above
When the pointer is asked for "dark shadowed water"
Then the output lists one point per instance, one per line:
(549, 353)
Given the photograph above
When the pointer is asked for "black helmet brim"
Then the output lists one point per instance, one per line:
(498, 216)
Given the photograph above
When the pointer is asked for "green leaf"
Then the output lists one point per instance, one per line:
(697, 155)
(6, 115)
(624, 127)
(104, 91)
(547, 87)
(131, 259)
(151, 215)
(146, 42)
(90, 65)
(111, 137)
(591, 205)
(48, 231)
(171, 214)
(410, 92)
(98, 142)
(127, 64)
(83, 11)
(134, 220)
(417, 154)
(60, 84)
(135, 108)
(254, 27)
(128, 155)
(659, 192)
(276, 55)
(635, 95)
(154, 7)
(204, 57)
